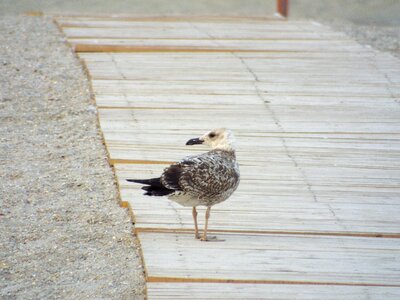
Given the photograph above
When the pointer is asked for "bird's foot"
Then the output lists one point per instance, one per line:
(197, 236)
(208, 238)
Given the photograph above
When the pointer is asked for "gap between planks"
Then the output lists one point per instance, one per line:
(275, 232)
(66, 20)
(83, 37)
(251, 281)
(126, 48)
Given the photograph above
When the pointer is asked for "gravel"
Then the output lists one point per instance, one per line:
(370, 22)
(63, 234)
(383, 38)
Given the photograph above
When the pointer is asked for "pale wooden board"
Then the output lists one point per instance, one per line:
(375, 76)
(338, 154)
(195, 31)
(259, 120)
(323, 68)
(276, 200)
(203, 83)
(317, 121)
(120, 21)
(212, 25)
(273, 258)
(130, 71)
(261, 61)
(228, 291)
(384, 60)
(124, 131)
(369, 118)
(336, 168)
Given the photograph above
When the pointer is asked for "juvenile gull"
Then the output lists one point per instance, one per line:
(206, 179)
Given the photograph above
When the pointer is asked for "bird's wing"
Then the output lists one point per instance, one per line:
(204, 174)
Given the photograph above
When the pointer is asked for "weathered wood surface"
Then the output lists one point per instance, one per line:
(278, 200)
(317, 119)
(92, 35)
(273, 258)
(229, 291)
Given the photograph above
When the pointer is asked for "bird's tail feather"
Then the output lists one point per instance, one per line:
(153, 186)
(142, 181)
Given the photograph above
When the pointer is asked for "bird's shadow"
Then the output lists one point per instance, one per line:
(213, 239)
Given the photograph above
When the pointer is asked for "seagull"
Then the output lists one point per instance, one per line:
(200, 180)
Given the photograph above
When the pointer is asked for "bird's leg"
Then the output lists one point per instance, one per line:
(204, 238)
(196, 228)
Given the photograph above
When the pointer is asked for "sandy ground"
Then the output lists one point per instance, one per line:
(370, 22)
(63, 234)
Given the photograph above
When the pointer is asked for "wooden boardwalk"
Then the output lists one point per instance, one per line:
(317, 119)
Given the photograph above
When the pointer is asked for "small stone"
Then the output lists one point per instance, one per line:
(92, 109)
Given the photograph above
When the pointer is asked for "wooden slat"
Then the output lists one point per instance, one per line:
(345, 70)
(120, 20)
(195, 31)
(207, 22)
(174, 290)
(98, 36)
(280, 202)
(273, 258)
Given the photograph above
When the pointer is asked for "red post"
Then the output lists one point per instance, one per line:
(283, 7)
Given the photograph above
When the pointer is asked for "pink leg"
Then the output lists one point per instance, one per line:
(204, 238)
(196, 228)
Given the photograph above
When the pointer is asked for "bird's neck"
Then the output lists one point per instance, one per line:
(227, 150)
(224, 146)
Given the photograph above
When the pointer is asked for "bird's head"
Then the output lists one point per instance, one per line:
(220, 138)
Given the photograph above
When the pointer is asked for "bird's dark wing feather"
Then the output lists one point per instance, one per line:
(153, 186)
(171, 175)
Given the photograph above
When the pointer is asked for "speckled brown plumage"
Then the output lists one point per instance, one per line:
(206, 179)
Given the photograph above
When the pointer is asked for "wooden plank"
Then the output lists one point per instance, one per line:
(227, 67)
(194, 31)
(385, 113)
(187, 100)
(383, 60)
(280, 202)
(213, 23)
(316, 119)
(273, 258)
(190, 290)
(212, 36)
(121, 20)
(340, 157)
(206, 85)
(123, 119)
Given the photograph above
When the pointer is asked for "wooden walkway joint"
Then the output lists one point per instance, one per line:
(317, 118)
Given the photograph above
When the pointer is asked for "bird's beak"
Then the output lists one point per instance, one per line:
(194, 141)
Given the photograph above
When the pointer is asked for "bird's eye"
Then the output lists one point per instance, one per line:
(211, 135)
